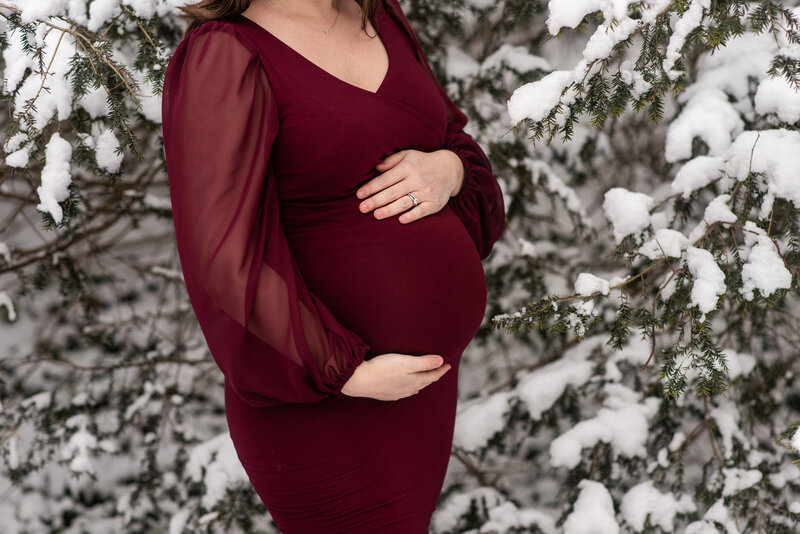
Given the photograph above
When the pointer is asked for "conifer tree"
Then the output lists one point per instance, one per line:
(637, 369)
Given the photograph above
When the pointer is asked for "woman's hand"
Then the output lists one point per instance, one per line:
(394, 376)
(432, 177)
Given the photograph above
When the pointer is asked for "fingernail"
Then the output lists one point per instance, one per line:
(363, 207)
(379, 214)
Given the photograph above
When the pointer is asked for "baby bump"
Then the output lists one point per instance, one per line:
(412, 288)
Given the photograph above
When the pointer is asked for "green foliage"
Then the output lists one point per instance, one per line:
(115, 350)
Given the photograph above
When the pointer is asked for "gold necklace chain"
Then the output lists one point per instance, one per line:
(327, 32)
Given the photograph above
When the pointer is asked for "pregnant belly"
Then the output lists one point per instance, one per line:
(417, 288)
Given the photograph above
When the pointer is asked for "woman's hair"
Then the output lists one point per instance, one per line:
(206, 10)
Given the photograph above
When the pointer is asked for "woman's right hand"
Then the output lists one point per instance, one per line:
(394, 376)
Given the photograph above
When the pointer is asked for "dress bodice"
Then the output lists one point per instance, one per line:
(333, 133)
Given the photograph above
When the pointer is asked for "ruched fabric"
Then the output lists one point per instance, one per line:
(294, 287)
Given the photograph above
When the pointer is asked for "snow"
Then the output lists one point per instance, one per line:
(634, 78)
(20, 158)
(690, 20)
(624, 417)
(587, 284)
(40, 401)
(776, 154)
(544, 174)
(708, 115)
(157, 202)
(738, 363)
(731, 67)
(668, 286)
(622, 422)
(645, 502)
(636, 351)
(775, 95)
(696, 174)
(177, 523)
(168, 273)
(726, 417)
(506, 516)
(478, 421)
(101, 12)
(602, 41)
(584, 310)
(535, 100)
(56, 176)
(796, 440)
(216, 463)
(8, 304)
(16, 63)
(570, 13)
(107, 158)
(95, 102)
(57, 100)
(540, 389)
(719, 513)
(737, 479)
(459, 64)
(446, 517)
(32, 11)
(593, 512)
(526, 248)
(481, 4)
(78, 447)
(718, 211)
(627, 211)
(18, 155)
(142, 400)
(709, 280)
(666, 242)
(517, 58)
(764, 269)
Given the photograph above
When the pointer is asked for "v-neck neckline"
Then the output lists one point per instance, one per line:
(379, 34)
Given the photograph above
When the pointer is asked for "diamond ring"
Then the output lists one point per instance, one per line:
(414, 199)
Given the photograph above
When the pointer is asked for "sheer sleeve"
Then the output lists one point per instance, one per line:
(479, 203)
(274, 341)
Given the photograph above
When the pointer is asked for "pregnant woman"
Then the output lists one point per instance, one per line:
(331, 215)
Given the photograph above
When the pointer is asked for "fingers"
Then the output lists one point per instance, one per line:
(390, 161)
(388, 196)
(393, 376)
(425, 363)
(422, 209)
(429, 377)
(384, 180)
(404, 203)
(379, 183)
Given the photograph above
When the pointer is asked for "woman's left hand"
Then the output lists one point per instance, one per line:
(432, 177)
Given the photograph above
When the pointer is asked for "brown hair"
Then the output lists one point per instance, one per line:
(206, 10)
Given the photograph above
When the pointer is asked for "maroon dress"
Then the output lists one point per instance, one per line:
(293, 286)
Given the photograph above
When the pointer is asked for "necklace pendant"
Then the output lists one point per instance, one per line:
(329, 31)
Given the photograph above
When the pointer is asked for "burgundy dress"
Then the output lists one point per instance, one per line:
(293, 286)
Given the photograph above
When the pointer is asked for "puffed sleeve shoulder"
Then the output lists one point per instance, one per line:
(479, 203)
(274, 341)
